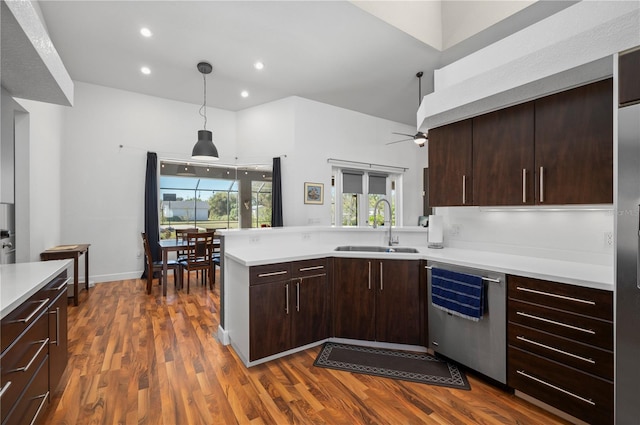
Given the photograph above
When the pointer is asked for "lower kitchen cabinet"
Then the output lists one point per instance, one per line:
(560, 346)
(28, 347)
(288, 306)
(378, 300)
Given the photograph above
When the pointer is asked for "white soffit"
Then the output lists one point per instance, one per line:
(570, 48)
(31, 66)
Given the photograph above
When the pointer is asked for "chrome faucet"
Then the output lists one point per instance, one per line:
(375, 219)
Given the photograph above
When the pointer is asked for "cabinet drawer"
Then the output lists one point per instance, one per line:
(56, 286)
(31, 407)
(580, 394)
(584, 357)
(576, 299)
(308, 268)
(269, 273)
(569, 325)
(22, 317)
(20, 361)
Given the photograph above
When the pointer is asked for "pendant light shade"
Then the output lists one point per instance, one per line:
(204, 148)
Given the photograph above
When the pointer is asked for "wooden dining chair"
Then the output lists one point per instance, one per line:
(156, 266)
(199, 256)
(181, 235)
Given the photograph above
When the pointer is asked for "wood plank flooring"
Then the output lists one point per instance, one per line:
(144, 359)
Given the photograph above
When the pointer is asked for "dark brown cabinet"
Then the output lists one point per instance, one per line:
(58, 336)
(27, 375)
(288, 306)
(451, 165)
(556, 150)
(628, 80)
(503, 157)
(560, 346)
(574, 146)
(377, 300)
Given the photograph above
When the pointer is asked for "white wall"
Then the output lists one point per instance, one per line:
(103, 184)
(309, 133)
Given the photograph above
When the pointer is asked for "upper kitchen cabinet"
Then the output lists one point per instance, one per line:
(628, 81)
(503, 157)
(450, 164)
(574, 146)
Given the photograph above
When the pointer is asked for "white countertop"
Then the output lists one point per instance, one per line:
(582, 274)
(20, 281)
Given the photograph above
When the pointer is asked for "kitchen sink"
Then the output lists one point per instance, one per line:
(365, 248)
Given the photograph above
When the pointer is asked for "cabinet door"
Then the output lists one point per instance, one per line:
(57, 339)
(629, 83)
(398, 301)
(450, 165)
(503, 162)
(574, 146)
(354, 298)
(310, 310)
(269, 319)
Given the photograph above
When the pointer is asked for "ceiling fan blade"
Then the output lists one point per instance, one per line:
(402, 134)
(398, 141)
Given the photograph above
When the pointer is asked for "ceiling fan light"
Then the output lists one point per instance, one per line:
(204, 149)
(420, 138)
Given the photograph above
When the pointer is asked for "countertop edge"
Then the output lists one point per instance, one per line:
(572, 273)
(49, 271)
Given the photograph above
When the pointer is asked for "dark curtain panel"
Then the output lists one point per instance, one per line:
(151, 224)
(276, 195)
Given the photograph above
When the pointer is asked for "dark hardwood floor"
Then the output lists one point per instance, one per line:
(144, 359)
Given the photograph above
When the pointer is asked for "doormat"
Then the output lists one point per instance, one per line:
(403, 365)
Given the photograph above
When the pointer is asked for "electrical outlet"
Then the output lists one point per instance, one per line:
(254, 239)
(306, 236)
(138, 254)
(454, 230)
(608, 239)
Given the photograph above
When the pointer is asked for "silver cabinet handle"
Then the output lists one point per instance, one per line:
(43, 344)
(381, 280)
(523, 373)
(61, 286)
(638, 252)
(369, 275)
(5, 387)
(553, 322)
(273, 273)
(541, 184)
(548, 347)
(550, 294)
(57, 313)
(286, 307)
(524, 185)
(42, 404)
(41, 303)
(298, 295)
(464, 189)
(306, 269)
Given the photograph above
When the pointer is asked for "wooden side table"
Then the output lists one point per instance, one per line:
(64, 252)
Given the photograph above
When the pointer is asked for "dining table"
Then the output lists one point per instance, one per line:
(173, 245)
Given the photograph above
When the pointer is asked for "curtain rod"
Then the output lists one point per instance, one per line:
(369, 164)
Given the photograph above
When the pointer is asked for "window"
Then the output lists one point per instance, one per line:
(354, 194)
(208, 197)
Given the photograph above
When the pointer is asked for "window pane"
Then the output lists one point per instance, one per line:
(260, 204)
(349, 209)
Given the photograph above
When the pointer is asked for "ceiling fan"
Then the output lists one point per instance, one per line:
(419, 138)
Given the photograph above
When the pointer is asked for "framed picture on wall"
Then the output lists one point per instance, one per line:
(313, 193)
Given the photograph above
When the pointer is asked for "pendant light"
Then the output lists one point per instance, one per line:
(204, 148)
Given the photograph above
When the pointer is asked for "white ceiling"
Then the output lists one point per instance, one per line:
(329, 51)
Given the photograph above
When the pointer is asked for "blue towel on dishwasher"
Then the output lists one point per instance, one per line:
(460, 294)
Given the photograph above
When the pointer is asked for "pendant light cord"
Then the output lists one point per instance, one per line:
(204, 103)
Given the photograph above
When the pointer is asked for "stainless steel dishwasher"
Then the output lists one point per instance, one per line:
(479, 345)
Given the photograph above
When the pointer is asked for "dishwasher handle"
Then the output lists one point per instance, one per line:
(486, 279)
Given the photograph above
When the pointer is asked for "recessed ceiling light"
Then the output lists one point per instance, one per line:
(146, 32)
(258, 65)
(145, 70)
(244, 93)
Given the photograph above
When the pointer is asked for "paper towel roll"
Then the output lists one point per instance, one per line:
(435, 232)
